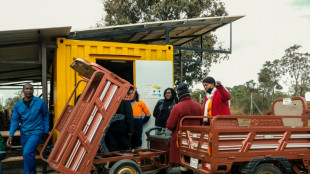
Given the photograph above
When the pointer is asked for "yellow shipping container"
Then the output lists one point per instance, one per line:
(142, 65)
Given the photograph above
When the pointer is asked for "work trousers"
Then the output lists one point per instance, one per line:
(118, 141)
(29, 145)
(2, 156)
(136, 140)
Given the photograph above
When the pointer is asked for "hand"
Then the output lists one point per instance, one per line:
(9, 142)
(218, 83)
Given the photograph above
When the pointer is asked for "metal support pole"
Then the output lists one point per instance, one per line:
(181, 71)
(43, 57)
(167, 35)
(251, 107)
(230, 37)
(201, 47)
(181, 66)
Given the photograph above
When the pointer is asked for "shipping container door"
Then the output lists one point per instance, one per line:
(152, 78)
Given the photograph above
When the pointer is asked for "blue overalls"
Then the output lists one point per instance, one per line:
(34, 122)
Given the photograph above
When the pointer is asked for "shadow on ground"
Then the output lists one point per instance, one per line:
(17, 168)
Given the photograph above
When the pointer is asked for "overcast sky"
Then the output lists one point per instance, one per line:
(268, 28)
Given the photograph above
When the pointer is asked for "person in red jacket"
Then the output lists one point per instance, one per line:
(217, 99)
(185, 107)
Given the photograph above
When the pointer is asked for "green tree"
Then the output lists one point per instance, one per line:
(10, 102)
(269, 77)
(133, 11)
(297, 66)
(198, 95)
(239, 100)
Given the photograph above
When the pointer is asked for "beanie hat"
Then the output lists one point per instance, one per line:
(182, 90)
(182, 86)
(209, 80)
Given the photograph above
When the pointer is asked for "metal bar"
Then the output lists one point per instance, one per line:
(18, 44)
(110, 97)
(180, 54)
(17, 75)
(17, 83)
(141, 38)
(101, 34)
(115, 55)
(201, 23)
(181, 72)
(105, 90)
(19, 78)
(199, 49)
(15, 88)
(161, 35)
(80, 158)
(26, 69)
(130, 37)
(186, 60)
(44, 71)
(167, 36)
(90, 120)
(180, 37)
(95, 128)
(76, 147)
(230, 37)
(223, 24)
(19, 62)
(159, 38)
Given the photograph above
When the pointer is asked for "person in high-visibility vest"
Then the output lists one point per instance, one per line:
(138, 108)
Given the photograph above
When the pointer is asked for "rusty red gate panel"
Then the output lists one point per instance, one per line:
(82, 126)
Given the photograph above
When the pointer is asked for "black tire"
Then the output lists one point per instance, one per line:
(125, 167)
(267, 169)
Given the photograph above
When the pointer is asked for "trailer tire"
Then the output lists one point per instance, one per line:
(267, 169)
(125, 167)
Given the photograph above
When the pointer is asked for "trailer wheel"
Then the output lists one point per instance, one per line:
(125, 167)
(267, 169)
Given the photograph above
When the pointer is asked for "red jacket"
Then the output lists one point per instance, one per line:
(185, 107)
(220, 105)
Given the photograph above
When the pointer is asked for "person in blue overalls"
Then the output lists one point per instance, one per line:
(31, 112)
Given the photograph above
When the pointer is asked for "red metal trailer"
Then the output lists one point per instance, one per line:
(82, 127)
(275, 143)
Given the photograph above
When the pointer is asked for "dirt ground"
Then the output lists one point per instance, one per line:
(17, 168)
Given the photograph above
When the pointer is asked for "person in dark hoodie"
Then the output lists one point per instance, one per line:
(120, 131)
(164, 106)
